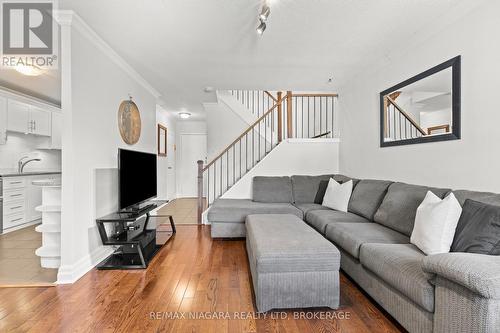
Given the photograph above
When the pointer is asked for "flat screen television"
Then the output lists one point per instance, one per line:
(137, 178)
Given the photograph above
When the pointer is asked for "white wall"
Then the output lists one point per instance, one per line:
(94, 83)
(166, 164)
(19, 145)
(223, 127)
(472, 162)
(291, 157)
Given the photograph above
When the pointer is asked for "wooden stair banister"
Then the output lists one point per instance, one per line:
(288, 116)
(406, 115)
(241, 136)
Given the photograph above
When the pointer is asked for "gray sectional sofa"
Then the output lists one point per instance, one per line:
(452, 292)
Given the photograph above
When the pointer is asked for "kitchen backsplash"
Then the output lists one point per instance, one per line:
(19, 145)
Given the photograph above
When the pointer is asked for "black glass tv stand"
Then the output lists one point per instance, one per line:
(136, 243)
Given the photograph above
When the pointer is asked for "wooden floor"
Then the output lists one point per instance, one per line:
(192, 276)
(19, 265)
(183, 210)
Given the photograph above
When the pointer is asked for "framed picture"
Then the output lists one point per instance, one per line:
(162, 140)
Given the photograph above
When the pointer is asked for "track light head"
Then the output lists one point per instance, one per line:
(264, 14)
(261, 27)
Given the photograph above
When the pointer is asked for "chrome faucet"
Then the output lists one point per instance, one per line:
(21, 164)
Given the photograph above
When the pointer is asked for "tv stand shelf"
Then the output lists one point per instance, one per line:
(137, 245)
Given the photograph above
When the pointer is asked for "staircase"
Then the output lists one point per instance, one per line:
(398, 124)
(279, 116)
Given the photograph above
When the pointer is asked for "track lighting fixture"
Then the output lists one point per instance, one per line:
(264, 13)
(261, 28)
(263, 16)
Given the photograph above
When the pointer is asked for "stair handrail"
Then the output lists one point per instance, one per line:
(278, 103)
(278, 120)
(406, 115)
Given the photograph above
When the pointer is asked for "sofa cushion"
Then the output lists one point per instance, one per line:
(350, 236)
(319, 219)
(399, 207)
(284, 243)
(306, 188)
(484, 197)
(478, 229)
(367, 197)
(272, 189)
(400, 266)
(342, 179)
(307, 207)
(236, 210)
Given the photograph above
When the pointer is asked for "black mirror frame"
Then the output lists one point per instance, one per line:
(455, 64)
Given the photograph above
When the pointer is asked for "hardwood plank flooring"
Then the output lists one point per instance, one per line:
(195, 284)
(19, 265)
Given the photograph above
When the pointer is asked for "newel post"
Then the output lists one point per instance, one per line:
(280, 118)
(289, 116)
(200, 190)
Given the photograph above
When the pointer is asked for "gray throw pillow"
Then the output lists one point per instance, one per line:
(323, 185)
(478, 229)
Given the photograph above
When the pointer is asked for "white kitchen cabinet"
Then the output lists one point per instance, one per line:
(40, 121)
(55, 141)
(3, 120)
(26, 118)
(21, 198)
(18, 117)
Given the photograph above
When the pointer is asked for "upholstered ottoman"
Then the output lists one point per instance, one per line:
(292, 265)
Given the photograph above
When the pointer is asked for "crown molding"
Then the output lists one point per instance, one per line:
(71, 18)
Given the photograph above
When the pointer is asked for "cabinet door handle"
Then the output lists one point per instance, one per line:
(18, 219)
(15, 195)
(12, 208)
(13, 183)
(34, 125)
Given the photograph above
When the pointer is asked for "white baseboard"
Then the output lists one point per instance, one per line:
(71, 273)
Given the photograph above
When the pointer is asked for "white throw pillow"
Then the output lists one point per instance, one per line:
(337, 195)
(435, 223)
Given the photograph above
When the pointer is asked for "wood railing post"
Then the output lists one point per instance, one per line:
(280, 118)
(289, 117)
(200, 190)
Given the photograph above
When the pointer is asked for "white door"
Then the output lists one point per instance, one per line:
(18, 117)
(171, 181)
(193, 147)
(41, 121)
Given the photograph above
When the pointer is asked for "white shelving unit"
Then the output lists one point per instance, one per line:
(50, 252)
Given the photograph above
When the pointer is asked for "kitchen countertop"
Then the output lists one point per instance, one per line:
(14, 173)
(47, 182)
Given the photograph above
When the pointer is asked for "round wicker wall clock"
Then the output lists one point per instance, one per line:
(129, 122)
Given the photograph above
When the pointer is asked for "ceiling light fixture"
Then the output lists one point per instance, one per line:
(29, 70)
(261, 28)
(263, 16)
(264, 13)
(184, 115)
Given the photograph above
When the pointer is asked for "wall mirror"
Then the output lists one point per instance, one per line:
(162, 140)
(424, 108)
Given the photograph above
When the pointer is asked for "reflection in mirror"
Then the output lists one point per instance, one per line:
(423, 108)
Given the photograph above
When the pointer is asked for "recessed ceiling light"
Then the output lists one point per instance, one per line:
(184, 115)
(29, 70)
(209, 89)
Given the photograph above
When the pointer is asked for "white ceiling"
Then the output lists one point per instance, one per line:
(182, 46)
